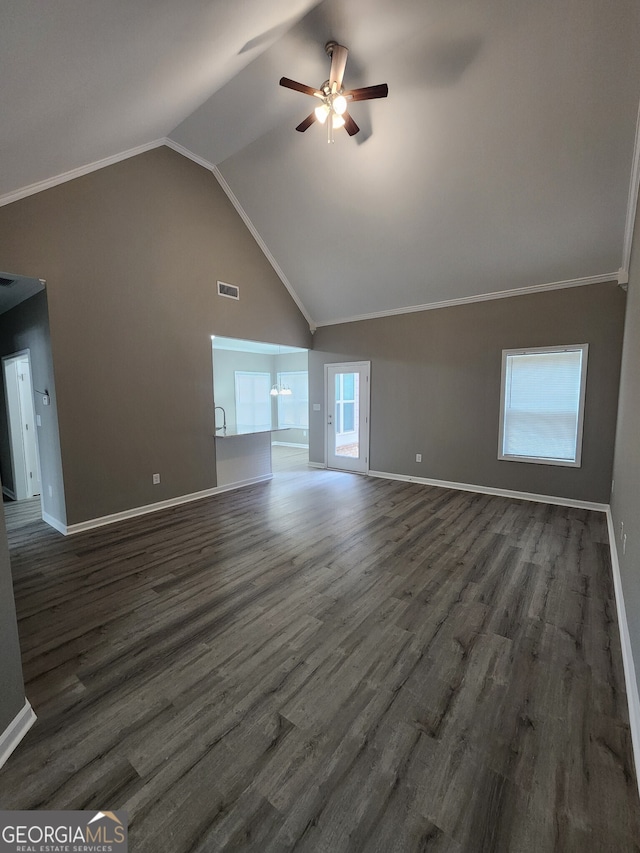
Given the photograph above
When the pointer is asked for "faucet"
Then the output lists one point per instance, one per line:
(224, 418)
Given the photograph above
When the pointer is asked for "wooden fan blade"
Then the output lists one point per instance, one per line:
(306, 124)
(367, 93)
(349, 124)
(298, 87)
(338, 64)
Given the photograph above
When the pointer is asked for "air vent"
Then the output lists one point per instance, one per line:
(7, 282)
(228, 290)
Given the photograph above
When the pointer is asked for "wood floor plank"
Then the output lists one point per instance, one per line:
(329, 662)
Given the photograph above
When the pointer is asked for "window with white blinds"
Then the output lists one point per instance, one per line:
(253, 402)
(542, 405)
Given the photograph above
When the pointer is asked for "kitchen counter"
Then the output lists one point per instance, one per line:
(243, 456)
(232, 432)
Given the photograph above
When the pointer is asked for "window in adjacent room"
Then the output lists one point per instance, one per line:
(293, 409)
(542, 404)
(253, 403)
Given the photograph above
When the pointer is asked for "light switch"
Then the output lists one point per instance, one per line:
(316, 407)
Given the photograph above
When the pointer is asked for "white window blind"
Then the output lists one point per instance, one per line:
(542, 404)
(253, 402)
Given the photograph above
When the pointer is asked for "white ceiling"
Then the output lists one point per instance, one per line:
(501, 159)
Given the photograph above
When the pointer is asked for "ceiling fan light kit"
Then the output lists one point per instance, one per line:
(333, 109)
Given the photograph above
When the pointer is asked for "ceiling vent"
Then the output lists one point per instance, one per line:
(228, 290)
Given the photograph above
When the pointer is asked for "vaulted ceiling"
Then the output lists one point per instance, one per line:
(502, 158)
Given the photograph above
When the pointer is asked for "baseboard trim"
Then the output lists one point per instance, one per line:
(241, 484)
(316, 465)
(290, 444)
(15, 731)
(633, 698)
(54, 522)
(93, 523)
(485, 490)
(9, 493)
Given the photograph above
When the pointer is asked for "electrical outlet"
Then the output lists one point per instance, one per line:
(624, 543)
(50, 491)
(156, 479)
(418, 457)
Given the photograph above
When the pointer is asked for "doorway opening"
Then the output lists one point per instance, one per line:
(24, 333)
(262, 387)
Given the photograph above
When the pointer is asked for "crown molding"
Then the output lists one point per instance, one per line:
(621, 276)
(40, 186)
(632, 204)
(180, 149)
(482, 297)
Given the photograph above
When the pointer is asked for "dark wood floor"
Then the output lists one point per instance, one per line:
(329, 662)
(21, 513)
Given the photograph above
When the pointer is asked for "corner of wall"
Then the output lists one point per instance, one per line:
(15, 731)
(633, 698)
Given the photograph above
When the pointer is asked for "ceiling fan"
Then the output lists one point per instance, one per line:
(334, 100)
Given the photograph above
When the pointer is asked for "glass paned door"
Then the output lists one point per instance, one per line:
(347, 408)
(347, 415)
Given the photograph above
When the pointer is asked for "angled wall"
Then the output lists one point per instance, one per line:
(12, 688)
(131, 254)
(625, 497)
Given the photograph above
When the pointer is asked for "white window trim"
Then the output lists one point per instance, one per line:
(542, 460)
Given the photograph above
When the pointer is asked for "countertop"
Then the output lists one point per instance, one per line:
(232, 432)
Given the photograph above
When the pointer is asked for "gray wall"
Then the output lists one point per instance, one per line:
(131, 254)
(625, 500)
(11, 685)
(27, 327)
(435, 387)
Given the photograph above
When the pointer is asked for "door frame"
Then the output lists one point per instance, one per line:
(22, 488)
(363, 367)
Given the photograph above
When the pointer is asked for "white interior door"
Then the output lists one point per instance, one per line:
(28, 423)
(22, 426)
(347, 408)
